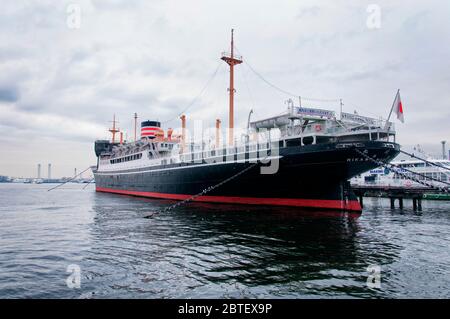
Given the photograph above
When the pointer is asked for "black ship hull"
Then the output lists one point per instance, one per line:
(307, 176)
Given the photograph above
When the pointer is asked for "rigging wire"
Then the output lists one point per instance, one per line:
(357, 107)
(213, 75)
(282, 90)
(252, 100)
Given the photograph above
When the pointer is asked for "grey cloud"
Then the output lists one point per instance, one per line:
(415, 22)
(9, 94)
(117, 4)
(153, 57)
(308, 11)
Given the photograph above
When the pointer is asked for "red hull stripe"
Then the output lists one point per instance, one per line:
(352, 205)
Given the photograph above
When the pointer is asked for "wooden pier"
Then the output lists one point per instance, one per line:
(393, 193)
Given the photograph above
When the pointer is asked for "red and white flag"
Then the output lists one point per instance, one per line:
(398, 107)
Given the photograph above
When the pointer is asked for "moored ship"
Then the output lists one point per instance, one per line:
(433, 171)
(303, 157)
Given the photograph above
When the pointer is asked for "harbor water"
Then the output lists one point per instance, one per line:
(75, 243)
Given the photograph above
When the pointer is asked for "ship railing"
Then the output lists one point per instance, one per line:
(336, 128)
(226, 54)
(225, 151)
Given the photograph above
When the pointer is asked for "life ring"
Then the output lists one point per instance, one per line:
(318, 127)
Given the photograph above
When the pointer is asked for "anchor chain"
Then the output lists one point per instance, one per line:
(397, 170)
(424, 160)
(205, 191)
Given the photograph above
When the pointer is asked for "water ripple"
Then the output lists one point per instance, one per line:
(204, 251)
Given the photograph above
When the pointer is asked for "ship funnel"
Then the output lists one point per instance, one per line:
(443, 149)
(217, 132)
(151, 129)
(169, 134)
(183, 132)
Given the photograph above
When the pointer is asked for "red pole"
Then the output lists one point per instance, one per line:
(231, 61)
(183, 132)
(217, 132)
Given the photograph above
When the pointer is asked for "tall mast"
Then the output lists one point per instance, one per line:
(231, 60)
(114, 130)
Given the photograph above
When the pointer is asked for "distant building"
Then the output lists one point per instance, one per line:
(4, 179)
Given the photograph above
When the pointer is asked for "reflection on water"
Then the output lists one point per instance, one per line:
(204, 250)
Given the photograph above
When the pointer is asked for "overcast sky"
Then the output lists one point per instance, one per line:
(61, 82)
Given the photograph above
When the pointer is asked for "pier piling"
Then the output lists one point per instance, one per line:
(393, 193)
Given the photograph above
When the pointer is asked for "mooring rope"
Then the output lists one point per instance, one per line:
(71, 179)
(397, 170)
(88, 183)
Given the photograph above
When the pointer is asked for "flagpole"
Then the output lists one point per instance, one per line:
(392, 108)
